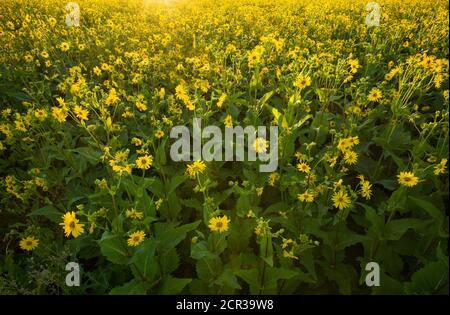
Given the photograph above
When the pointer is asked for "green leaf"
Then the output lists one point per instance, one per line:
(171, 285)
(376, 220)
(160, 155)
(395, 229)
(388, 285)
(266, 249)
(170, 237)
(134, 287)
(49, 212)
(113, 247)
(431, 279)
(191, 203)
(91, 155)
(145, 260)
(200, 250)
(387, 183)
(435, 213)
(227, 278)
(175, 181)
(251, 276)
(170, 261)
(209, 268)
(243, 205)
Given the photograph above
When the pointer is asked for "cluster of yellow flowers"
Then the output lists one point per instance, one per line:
(118, 82)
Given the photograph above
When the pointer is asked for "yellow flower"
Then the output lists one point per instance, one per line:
(97, 71)
(28, 58)
(260, 145)
(366, 190)
(71, 225)
(81, 113)
(302, 81)
(144, 162)
(136, 141)
(273, 178)
(132, 213)
(141, 106)
(306, 196)
(286, 243)
(289, 254)
(219, 224)
(136, 238)
(40, 114)
(161, 93)
(221, 100)
(159, 134)
(350, 157)
(228, 121)
(375, 95)
(407, 179)
(112, 97)
(59, 114)
(64, 46)
(195, 168)
(29, 243)
(303, 167)
(440, 168)
(341, 200)
(354, 65)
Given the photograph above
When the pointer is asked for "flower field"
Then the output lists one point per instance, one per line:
(90, 92)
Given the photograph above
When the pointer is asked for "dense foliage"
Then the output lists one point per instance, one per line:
(86, 176)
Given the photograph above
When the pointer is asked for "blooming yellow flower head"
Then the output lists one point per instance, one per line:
(407, 179)
(219, 224)
(29, 243)
(81, 113)
(341, 200)
(350, 157)
(260, 145)
(221, 100)
(375, 95)
(144, 162)
(159, 134)
(41, 114)
(134, 214)
(196, 167)
(71, 225)
(303, 167)
(228, 121)
(136, 238)
(441, 167)
(302, 81)
(366, 190)
(64, 46)
(306, 196)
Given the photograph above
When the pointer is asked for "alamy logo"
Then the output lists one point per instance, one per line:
(230, 148)
(73, 277)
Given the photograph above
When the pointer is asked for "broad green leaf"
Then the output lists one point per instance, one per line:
(227, 278)
(395, 229)
(251, 276)
(49, 212)
(171, 285)
(113, 247)
(134, 287)
(170, 237)
(431, 279)
(144, 258)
